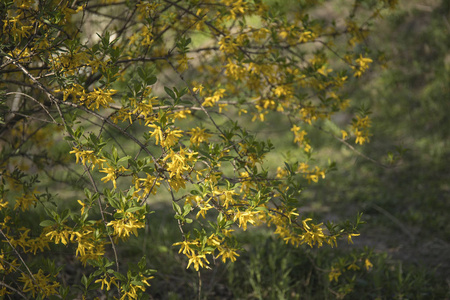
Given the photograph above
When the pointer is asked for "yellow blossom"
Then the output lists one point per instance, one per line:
(168, 138)
(181, 114)
(227, 253)
(353, 267)
(3, 204)
(245, 217)
(198, 135)
(212, 100)
(83, 206)
(39, 284)
(198, 261)
(334, 274)
(112, 174)
(362, 65)
(185, 247)
(368, 264)
(306, 36)
(349, 237)
(107, 280)
(129, 224)
(25, 201)
(178, 162)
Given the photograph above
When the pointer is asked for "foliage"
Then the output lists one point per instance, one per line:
(152, 99)
(301, 273)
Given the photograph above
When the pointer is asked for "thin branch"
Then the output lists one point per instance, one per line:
(395, 220)
(13, 289)
(40, 104)
(103, 216)
(354, 149)
(20, 257)
(39, 84)
(34, 118)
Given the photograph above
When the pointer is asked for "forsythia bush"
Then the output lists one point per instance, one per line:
(151, 99)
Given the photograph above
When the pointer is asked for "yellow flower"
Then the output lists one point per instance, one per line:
(177, 162)
(353, 267)
(83, 206)
(25, 201)
(185, 247)
(112, 174)
(227, 45)
(349, 237)
(87, 156)
(39, 283)
(204, 207)
(99, 98)
(229, 253)
(211, 101)
(363, 65)
(368, 264)
(314, 175)
(361, 129)
(197, 260)
(245, 217)
(313, 234)
(306, 36)
(181, 114)
(283, 90)
(129, 224)
(60, 235)
(198, 89)
(104, 281)
(177, 183)
(334, 274)
(198, 135)
(168, 138)
(3, 204)
(171, 137)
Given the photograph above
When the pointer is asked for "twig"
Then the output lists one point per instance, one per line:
(13, 289)
(395, 220)
(354, 149)
(199, 285)
(28, 96)
(103, 216)
(20, 257)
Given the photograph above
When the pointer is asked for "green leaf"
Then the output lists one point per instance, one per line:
(133, 209)
(69, 138)
(226, 158)
(176, 208)
(124, 158)
(138, 283)
(170, 93)
(47, 223)
(261, 208)
(187, 209)
(120, 276)
(141, 72)
(65, 214)
(195, 193)
(152, 80)
(84, 281)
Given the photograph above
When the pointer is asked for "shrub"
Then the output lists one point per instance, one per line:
(153, 100)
